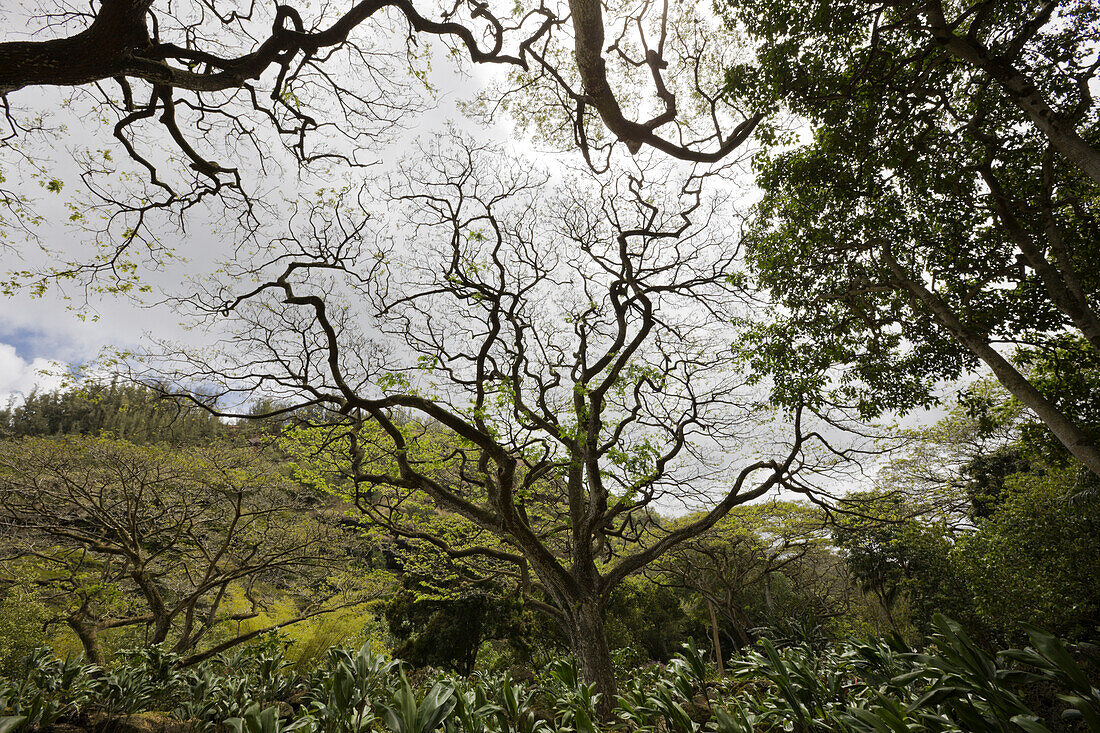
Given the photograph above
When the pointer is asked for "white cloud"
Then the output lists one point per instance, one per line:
(18, 377)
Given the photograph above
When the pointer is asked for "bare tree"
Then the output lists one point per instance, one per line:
(547, 367)
(115, 535)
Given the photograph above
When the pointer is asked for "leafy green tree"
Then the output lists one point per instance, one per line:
(1035, 559)
(650, 619)
(907, 561)
(762, 570)
(988, 475)
(942, 207)
(1067, 372)
(983, 519)
(23, 616)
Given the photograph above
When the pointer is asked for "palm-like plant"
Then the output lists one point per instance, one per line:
(406, 715)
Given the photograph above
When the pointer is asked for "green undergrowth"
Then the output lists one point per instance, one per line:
(882, 686)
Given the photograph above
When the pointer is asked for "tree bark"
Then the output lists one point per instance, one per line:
(588, 641)
(99, 52)
(89, 639)
(162, 619)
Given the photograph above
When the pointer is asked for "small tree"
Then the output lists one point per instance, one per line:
(119, 536)
(758, 564)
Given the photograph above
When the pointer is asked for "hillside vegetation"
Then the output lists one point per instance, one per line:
(212, 573)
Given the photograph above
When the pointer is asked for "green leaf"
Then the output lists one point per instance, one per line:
(12, 723)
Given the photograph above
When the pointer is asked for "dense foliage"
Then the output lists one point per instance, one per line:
(197, 545)
(952, 685)
(979, 520)
(933, 214)
(125, 411)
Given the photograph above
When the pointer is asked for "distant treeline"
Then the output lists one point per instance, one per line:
(126, 411)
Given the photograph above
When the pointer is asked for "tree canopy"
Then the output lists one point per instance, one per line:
(941, 209)
(207, 108)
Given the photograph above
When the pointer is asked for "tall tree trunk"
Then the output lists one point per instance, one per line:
(717, 643)
(588, 640)
(1070, 435)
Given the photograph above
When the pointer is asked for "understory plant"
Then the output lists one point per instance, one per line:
(950, 686)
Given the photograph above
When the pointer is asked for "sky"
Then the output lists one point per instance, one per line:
(69, 327)
(45, 337)
(18, 376)
(42, 337)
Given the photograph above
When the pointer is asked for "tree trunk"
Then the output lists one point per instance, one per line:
(588, 641)
(89, 639)
(162, 619)
(1019, 88)
(717, 642)
(1071, 436)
